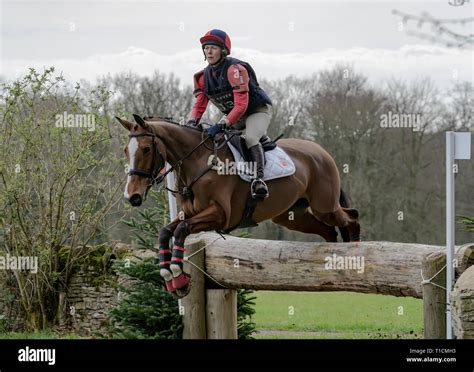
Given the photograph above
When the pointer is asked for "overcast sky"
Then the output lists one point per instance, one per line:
(86, 39)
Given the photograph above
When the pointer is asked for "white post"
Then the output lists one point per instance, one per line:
(449, 227)
(171, 199)
(172, 205)
(458, 146)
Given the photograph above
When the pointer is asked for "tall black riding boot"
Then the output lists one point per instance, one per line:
(258, 188)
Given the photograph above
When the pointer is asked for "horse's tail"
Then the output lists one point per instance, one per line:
(344, 201)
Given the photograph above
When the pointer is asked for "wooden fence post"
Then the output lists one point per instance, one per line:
(221, 313)
(194, 304)
(434, 297)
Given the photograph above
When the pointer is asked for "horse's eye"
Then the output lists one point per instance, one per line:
(146, 150)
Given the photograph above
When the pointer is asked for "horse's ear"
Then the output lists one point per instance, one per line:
(125, 123)
(139, 120)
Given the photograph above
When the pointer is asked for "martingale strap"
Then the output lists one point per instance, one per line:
(186, 190)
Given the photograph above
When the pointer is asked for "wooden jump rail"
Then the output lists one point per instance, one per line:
(210, 310)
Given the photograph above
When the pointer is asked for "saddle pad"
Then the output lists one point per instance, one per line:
(278, 164)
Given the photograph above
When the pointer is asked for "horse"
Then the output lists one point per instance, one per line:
(310, 200)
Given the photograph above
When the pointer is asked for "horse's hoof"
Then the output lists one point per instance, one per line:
(181, 280)
(183, 291)
(182, 284)
(169, 286)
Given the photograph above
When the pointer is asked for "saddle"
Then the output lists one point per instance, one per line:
(239, 143)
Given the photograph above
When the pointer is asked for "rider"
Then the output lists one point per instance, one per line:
(232, 86)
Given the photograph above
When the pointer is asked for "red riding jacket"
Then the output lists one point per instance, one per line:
(238, 77)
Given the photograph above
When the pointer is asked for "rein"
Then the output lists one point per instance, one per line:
(186, 190)
(155, 174)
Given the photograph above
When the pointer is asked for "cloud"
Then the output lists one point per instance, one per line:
(408, 62)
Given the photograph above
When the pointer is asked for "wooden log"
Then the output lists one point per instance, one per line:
(221, 313)
(462, 305)
(194, 304)
(467, 258)
(434, 297)
(368, 267)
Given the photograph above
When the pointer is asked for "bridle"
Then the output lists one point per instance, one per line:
(153, 172)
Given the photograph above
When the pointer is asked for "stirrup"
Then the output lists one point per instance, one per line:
(252, 189)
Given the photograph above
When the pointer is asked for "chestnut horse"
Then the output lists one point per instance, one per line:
(310, 201)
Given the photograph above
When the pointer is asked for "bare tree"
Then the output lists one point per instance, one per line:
(441, 30)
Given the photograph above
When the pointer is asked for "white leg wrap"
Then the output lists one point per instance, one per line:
(166, 274)
(176, 270)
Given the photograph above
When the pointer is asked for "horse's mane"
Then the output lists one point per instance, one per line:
(170, 120)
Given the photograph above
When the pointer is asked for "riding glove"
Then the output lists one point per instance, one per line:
(215, 129)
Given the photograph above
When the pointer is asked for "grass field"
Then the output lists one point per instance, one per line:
(323, 315)
(336, 315)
